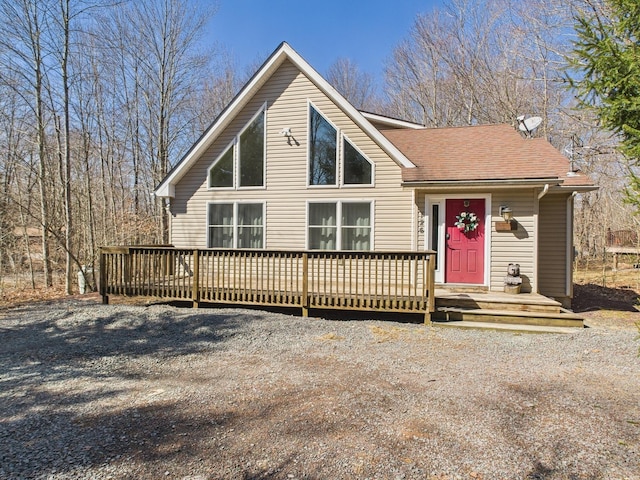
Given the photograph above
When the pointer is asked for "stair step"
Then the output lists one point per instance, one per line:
(507, 327)
(517, 305)
(560, 319)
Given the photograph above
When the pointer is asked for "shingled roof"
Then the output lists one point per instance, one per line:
(480, 153)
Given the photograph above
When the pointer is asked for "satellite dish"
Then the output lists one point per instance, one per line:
(528, 125)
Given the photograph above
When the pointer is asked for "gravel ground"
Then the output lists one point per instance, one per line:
(124, 392)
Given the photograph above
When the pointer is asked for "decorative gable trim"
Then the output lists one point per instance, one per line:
(282, 53)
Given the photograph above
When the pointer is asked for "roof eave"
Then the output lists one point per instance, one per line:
(576, 188)
(391, 122)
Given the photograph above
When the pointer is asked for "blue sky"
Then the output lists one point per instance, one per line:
(321, 31)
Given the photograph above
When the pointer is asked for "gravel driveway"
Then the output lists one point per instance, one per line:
(131, 392)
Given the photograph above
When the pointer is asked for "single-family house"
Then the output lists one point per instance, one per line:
(291, 164)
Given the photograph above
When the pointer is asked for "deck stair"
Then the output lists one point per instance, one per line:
(495, 308)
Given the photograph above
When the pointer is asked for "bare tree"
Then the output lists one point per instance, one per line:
(21, 42)
(356, 86)
(479, 62)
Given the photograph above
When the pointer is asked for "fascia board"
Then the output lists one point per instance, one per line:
(392, 122)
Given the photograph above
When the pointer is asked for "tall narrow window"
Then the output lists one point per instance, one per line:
(221, 173)
(322, 150)
(435, 229)
(251, 153)
(357, 169)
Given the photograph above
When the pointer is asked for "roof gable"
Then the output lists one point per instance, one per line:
(266, 71)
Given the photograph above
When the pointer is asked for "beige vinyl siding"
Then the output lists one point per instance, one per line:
(552, 250)
(287, 94)
(516, 246)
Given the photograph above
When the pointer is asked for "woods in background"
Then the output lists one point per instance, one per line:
(99, 100)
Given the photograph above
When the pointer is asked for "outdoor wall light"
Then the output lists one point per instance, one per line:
(506, 213)
(509, 224)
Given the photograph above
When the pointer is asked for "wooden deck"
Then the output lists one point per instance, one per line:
(391, 282)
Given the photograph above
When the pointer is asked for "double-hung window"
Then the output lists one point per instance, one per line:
(235, 225)
(341, 225)
(328, 163)
(242, 164)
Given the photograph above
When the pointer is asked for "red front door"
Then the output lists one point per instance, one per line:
(464, 261)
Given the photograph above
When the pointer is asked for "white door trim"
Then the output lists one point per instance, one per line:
(440, 200)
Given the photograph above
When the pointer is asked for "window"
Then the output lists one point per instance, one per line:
(323, 226)
(325, 159)
(250, 225)
(251, 154)
(323, 139)
(220, 225)
(357, 169)
(236, 225)
(245, 155)
(340, 226)
(221, 172)
(356, 226)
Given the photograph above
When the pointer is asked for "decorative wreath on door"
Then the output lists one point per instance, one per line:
(466, 222)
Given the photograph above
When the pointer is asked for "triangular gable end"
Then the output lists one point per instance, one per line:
(283, 52)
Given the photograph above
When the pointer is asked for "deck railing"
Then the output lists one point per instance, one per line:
(385, 281)
(622, 238)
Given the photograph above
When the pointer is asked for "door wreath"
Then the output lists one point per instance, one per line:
(466, 222)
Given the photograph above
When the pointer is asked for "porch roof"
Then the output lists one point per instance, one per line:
(481, 153)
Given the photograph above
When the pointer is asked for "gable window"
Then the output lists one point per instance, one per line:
(340, 225)
(235, 225)
(323, 139)
(251, 153)
(326, 159)
(243, 163)
(357, 169)
(221, 172)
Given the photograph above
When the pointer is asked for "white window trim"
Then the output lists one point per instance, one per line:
(235, 204)
(261, 110)
(345, 137)
(339, 203)
(231, 145)
(310, 104)
(235, 145)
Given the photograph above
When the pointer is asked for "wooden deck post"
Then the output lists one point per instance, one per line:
(305, 285)
(195, 284)
(431, 288)
(103, 277)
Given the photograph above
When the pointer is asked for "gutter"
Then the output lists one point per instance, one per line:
(494, 183)
(570, 247)
(544, 191)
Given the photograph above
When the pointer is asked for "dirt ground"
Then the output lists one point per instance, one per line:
(130, 391)
(145, 392)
